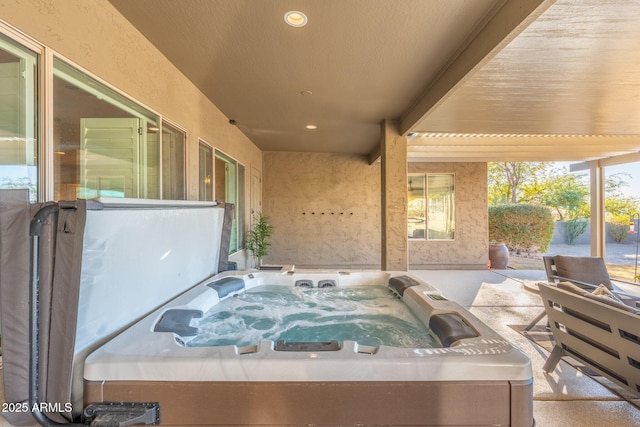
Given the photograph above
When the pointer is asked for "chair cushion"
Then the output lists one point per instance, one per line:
(570, 287)
(584, 269)
(601, 294)
(602, 291)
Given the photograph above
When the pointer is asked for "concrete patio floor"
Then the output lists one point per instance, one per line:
(566, 397)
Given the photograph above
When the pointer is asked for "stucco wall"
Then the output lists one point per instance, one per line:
(94, 36)
(325, 209)
(470, 247)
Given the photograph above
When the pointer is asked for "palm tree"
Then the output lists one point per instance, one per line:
(258, 237)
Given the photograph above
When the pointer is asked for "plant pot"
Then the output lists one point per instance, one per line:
(498, 256)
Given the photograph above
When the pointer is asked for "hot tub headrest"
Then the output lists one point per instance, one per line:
(450, 327)
(177, 321)
(226, 285)
(400, 283)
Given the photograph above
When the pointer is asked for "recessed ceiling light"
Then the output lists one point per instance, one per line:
(311, 127)
(295, 18)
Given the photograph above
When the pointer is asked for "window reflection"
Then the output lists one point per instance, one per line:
(416, 215)
(18, 122)
(105, 145)
(229, 188)
(441, 208)
(173, 163)
(205, 172)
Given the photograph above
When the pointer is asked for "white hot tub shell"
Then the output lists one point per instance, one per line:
(479, 379)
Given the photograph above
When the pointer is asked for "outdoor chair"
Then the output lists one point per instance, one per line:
(586, 272)
(596, 330)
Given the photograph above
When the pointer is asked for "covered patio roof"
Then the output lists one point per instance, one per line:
(489, 80)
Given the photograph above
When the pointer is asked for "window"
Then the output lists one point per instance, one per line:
(173, 162)
(105, 145)
(229, 188)
(431, 207)
(18, 121)
(205, 172)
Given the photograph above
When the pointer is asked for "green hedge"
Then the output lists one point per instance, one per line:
(521, 227)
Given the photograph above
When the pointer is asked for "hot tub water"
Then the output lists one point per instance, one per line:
(369, 315)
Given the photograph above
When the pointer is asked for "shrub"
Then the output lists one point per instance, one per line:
(521, 227)
(574, 228)
(619, 230)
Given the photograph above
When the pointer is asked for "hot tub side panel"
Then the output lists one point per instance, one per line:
(419, 403)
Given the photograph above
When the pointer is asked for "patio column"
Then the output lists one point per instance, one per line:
(393, 157)
(598, 232)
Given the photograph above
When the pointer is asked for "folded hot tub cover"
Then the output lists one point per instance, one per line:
(59, 250)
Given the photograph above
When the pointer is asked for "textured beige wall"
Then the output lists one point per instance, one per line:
(470, 247)
(325, 209)
(94, 36)
(299, 187)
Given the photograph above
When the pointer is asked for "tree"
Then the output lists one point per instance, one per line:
(566, 193)
(616, 203)
(508, 180)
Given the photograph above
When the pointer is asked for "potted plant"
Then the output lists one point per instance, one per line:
(258, 237)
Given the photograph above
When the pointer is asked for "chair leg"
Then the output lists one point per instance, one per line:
(538, 318)
(553, 359)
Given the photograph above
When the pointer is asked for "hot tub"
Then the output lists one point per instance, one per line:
(470, 376)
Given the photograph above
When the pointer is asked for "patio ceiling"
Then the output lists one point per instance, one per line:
(482, 80)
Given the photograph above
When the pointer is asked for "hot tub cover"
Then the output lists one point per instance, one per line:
(94, 259)
(61, 240)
